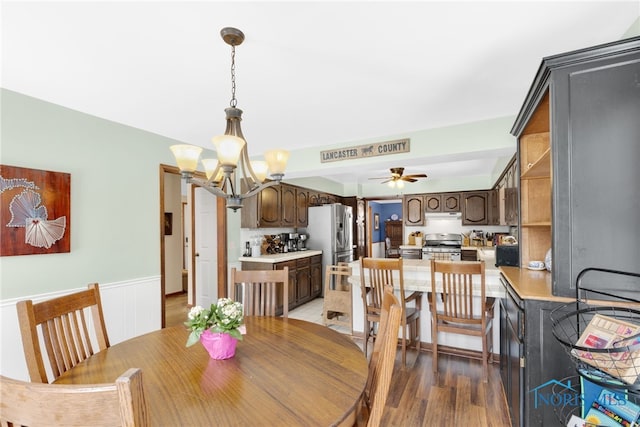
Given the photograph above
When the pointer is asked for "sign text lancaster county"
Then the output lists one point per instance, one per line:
(367, 150)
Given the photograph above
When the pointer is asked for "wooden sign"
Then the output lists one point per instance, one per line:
(35, 213)
(364, 151)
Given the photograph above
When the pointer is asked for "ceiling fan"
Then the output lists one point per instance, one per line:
(397, 177)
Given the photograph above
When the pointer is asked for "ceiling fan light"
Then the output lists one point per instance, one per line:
(391, 184)
(400, 183)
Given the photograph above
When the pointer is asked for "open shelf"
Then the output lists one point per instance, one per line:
(537, 224)
(540, 168)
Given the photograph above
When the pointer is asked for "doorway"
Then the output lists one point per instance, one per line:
(179, 238)
(383, 208)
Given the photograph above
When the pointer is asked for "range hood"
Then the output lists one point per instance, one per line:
(443, 215)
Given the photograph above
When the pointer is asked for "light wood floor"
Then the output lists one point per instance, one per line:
(456, 397)
(176, 309)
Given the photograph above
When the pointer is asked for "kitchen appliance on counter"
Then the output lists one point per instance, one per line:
(508, 255)
(293, 242)
(329, 230)
(302, 241)
(442, 246)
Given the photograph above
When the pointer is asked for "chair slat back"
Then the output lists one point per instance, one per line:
(458, 280)
(383, 358)
(121, 403)
(376, 273)
(260, 291)
(62, 324)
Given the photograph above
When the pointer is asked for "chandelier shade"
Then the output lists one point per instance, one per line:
(232, 171)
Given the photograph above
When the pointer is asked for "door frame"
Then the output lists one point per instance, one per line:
(221, 249)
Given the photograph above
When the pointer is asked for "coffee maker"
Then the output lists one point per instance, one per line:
(293, 242)
(302, 242)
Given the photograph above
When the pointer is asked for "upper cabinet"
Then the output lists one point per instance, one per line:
(578, 152)
(413, 209)
(442, 202)
(282, 205)
(450, 202)
(475, 208)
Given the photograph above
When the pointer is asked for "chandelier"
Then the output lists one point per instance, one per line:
(222, 177)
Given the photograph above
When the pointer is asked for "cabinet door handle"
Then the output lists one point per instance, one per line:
(522, 362)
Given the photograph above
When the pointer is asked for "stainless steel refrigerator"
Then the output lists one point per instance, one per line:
(330, 230)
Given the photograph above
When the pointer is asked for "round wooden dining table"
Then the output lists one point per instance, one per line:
(285, 372)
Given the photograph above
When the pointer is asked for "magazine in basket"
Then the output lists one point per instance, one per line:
(618, 344)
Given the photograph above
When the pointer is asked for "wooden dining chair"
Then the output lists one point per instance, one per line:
(382, 362)
(375, 273)
(337, 301)
(62, 324)
(455, 311)
(121, 403)
(260, 292)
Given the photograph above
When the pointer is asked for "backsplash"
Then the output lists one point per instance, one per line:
(454, 225)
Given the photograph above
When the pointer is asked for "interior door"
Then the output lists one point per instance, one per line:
(205, 243)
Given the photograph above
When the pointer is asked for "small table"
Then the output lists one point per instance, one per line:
(285, 372)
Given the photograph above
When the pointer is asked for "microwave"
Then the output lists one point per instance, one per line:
(507, 255)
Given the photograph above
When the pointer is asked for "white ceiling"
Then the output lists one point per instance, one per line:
(309, 74)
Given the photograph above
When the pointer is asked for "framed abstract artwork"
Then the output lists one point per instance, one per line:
(35, 211)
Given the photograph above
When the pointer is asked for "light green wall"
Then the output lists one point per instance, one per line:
(114, 171)
(488, 138)
(634, 29)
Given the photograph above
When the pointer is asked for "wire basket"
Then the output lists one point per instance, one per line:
(602, 340)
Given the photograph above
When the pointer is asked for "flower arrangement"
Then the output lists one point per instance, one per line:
(223, 317)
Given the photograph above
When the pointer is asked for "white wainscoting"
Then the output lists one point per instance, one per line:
(131, 308)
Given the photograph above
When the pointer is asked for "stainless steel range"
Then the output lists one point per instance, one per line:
(442, 246)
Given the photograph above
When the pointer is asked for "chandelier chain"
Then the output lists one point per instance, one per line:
(233, 102)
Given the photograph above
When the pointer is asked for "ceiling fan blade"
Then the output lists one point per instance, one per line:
(416, 175)
(388, 179)
(408, 179)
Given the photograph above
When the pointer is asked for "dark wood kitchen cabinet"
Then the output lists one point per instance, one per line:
(475, 209)
(493, 204)
(278, 206)
(305, 278)
(578, 133)
(442, 202)
(433, 203)
(451, 202)
(302, 207)
(413, 209)
(316, 276)
(511, 184)
(303, 281)
(288, 206)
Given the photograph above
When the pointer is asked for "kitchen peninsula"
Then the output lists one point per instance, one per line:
(417, 277)
(305, 273)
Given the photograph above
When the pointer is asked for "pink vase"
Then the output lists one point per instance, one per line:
(218, 345)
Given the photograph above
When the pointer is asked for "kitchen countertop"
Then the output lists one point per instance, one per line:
(417, 277)
(531, 284)
(282, 257)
